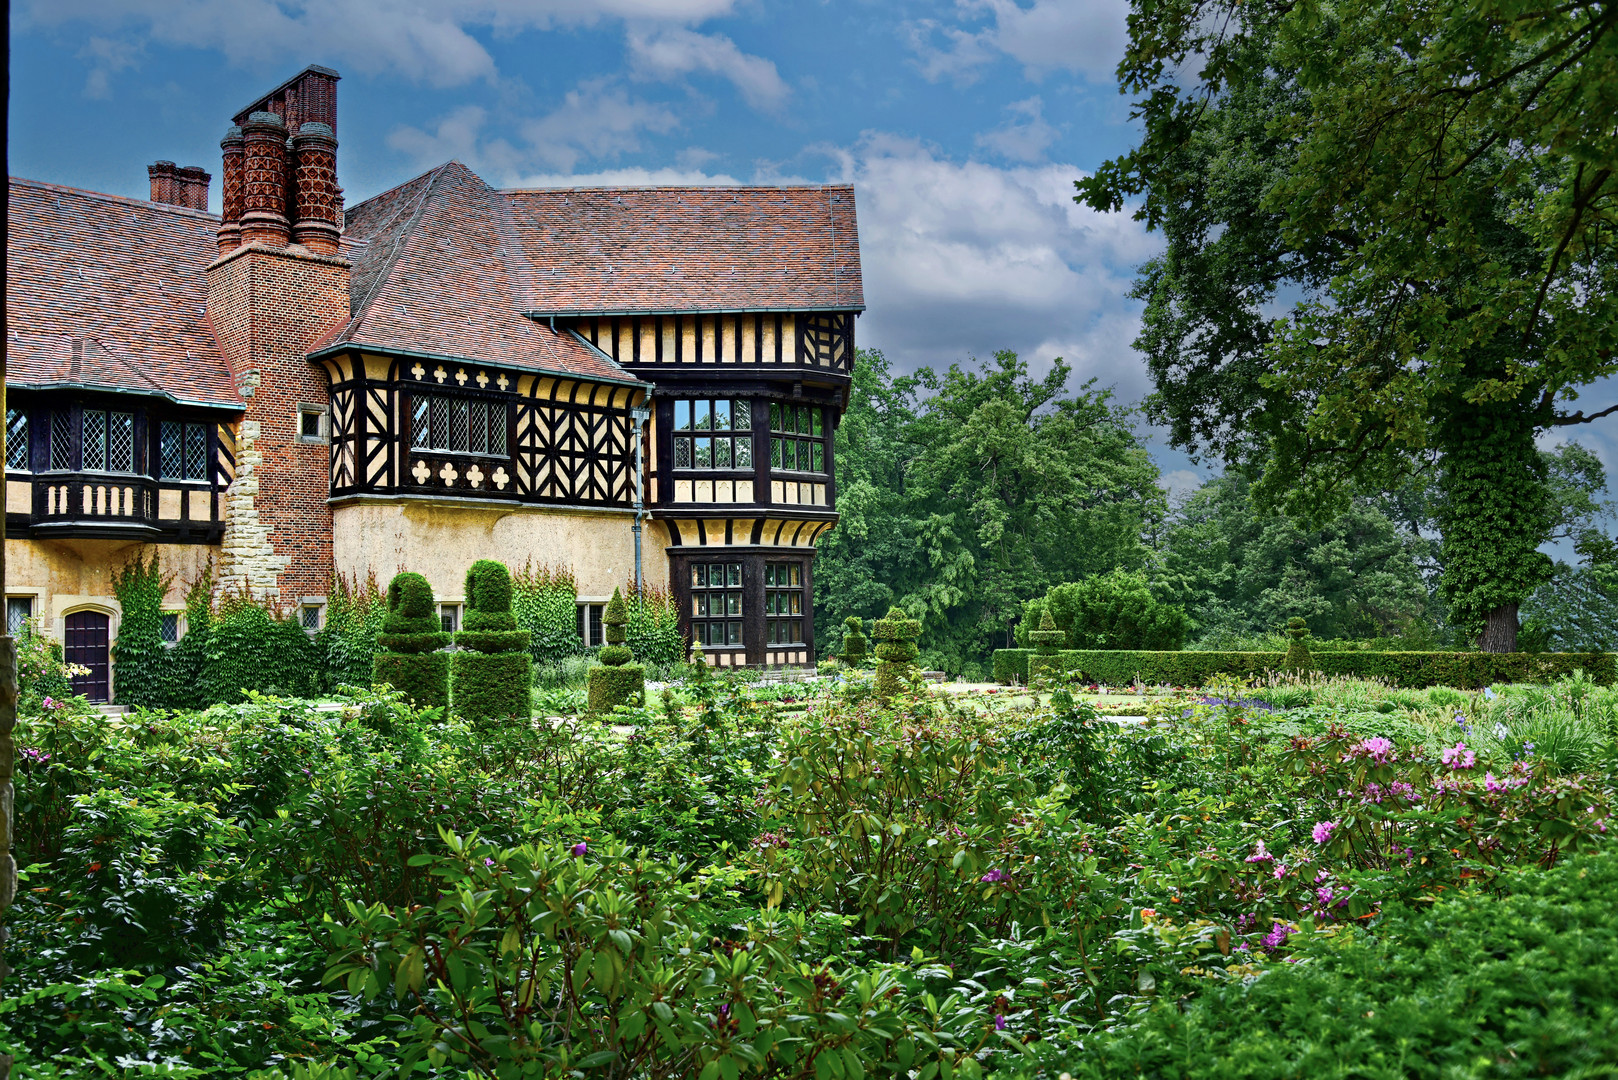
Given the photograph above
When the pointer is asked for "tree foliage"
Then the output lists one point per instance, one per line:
(1428, 188)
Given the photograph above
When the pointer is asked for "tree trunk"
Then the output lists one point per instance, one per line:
(1500, 635)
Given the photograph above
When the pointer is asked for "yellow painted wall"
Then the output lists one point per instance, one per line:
(441, 540)
(64, 576)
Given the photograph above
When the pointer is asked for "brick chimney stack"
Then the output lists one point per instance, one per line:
(317, 201)
(230, 227)
(179, 185)
(264, 176)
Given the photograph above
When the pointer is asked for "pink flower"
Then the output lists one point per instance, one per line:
(993, 876)
(1260, 854)
(1459, 757)
(1377, 748)
(1280, 871)
(1323, 830)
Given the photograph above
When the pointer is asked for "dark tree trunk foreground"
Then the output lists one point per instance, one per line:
(1500, 635)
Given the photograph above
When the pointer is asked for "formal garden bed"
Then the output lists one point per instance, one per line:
(745, 879)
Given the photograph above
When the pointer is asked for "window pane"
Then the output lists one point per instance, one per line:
(478, 440)
(733, 603)
(95, 439)
(171, 626)
(803, 419)
(459, 420)
(682, 416)
(804, 462)
(701, 415)
(818, 421)
(769, 574)
(735, 636)
(721, 453)
(19, 609)
(735, 575)
(17, 440)
(418, 422)
(775, 416)
(744, 451)
(741, 415)
(497, 429)
(704, 453)
(775, 454)
(440, 420)
(699, 576)
(702, 605)
(794, 602)
(121, 442)
(796, 570)
(721, 416)
(682, 453)
(171, 449)
(311, 617)
(61, 440)
(819, 459)
(196, 451)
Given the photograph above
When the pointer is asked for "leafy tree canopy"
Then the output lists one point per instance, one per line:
(1426, 189)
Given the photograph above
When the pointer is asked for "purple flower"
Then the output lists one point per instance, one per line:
(999, 1022)
(994, 876)
(1459, 757)
(488, 862)
(1277, 936)
(580, 848)
(1378, 749)
(1323, 830)
(1280, 871)
(1325, 893)
(1260, 854)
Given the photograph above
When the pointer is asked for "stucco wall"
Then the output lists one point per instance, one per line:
(440, 540)
(71, 575)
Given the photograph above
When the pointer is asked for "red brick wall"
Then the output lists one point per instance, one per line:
(268, 308)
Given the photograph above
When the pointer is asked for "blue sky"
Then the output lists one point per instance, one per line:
(962, 124)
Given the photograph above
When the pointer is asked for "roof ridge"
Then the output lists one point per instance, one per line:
(391, 260)
(674, 187)
(124, 200)
(401, 184)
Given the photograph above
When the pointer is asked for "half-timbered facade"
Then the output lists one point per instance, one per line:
(621, 380)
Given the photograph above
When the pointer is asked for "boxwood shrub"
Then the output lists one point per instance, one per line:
(616, 681)
(1469, 670)
(494, 677)
(411, 636)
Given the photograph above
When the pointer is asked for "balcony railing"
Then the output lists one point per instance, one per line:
(95, 499)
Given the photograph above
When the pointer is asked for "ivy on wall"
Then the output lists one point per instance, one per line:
(140, 659)
(354, 613)
(653, 628)
(545, 602)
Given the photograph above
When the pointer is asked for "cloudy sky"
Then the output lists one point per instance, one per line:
(962, 123)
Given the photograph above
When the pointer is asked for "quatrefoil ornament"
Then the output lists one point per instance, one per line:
(448, 473)
(421, 472)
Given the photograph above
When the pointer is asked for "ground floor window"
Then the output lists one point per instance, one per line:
(591, 631)
(449, 617)
(309, 615)
(19, 609)
(170, 628)
(783, 603)
(716, 603)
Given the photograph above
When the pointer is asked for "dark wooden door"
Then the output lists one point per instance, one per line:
(87, 647)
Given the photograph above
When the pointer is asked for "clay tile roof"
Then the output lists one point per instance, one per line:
(431, 276)
(110, 292)
(635, 250)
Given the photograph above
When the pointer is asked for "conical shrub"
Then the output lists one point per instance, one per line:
(616, 680)
(1046, 663)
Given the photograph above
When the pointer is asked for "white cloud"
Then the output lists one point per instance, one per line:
(107, 57)
(425, 38)
(1083, 36)
(596, 120)
(1026, 140)
(671, 53)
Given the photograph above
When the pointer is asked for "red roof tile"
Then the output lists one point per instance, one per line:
(432, 278)
(632, 250)
(122, 278)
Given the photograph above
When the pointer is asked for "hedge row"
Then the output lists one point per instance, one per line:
(1464, 670)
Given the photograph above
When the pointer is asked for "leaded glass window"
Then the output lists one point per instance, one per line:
(61, 440)
(797, 437)
(784, 603)
(458, 425)
(716, 604)
(16, 440)
(713, 434)
(109, 441)
(182, 451)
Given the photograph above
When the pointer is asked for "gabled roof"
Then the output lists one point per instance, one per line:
(108, 292)
(673, 249)
(431, 277)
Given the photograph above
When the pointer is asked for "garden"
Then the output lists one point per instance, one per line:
(856, 874)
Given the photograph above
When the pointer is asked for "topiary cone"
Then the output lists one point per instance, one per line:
(855, 642)
(616, 681)
(1047, 642)
(1298, 657)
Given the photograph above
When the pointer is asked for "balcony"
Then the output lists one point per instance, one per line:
(110, 505)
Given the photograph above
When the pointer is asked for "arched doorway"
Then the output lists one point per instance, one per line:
(86, 645)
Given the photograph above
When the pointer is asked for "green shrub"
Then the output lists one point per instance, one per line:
(1009, 665)
(545, 602)
(1476, 985)
(354, 615)
(188, 661)
(855, 643)
(652, 630)
(896, 651)
(1047, 641)
(141, 668)
(409, 640)
(1297, 658)
(495, 678)
(1109, 611)
(251, 648)
(616, 681)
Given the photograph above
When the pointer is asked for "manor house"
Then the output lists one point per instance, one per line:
(619, 380)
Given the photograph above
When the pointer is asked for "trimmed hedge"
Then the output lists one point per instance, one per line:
(421, 677)
(495, 679)
(1465, 670)
(410, 638)
(612, 686)
(896, 650)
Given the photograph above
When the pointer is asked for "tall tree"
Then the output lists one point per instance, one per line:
(1428, 187)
